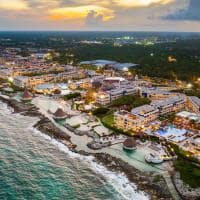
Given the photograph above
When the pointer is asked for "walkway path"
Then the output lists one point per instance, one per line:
(171, 186)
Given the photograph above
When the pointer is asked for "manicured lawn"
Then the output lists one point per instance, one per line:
(108, 119)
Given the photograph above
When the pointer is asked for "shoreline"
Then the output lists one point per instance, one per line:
(144, 181)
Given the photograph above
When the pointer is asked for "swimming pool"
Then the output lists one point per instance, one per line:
(172, 133)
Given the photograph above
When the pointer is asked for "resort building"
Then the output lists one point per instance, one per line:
(113, 88)
(194, 104)
(83, 84)
(155, 93)
(147, 112)
(188, 120)
(33, 81)
(129, 122)
(45, 88)
(172, 104)
(103, 98)
(143, 116)
(21, 81)
(196, 145)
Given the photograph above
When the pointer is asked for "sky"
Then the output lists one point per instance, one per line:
(100, 15)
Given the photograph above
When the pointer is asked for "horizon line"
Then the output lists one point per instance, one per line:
(100, 31)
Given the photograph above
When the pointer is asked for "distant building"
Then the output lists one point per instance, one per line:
(110, 63)
(21, 81)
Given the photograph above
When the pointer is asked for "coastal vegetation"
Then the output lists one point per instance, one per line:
(108, 120)
(130, 101)
(101, 111)
(71, 96)
(189, 172)
(186, 66)
(187, 165)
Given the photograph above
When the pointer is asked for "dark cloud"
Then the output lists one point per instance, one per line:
(191, 12)
(93, 18)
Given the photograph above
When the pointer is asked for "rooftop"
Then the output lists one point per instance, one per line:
(142, 110)
(196, 100)
(189, 115)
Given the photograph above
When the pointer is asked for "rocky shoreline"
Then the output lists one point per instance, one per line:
(44, 124)
(156, 189)
(185, 191)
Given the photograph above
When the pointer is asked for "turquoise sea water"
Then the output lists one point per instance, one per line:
(34, 167)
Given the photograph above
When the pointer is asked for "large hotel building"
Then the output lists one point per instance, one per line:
(142, 116)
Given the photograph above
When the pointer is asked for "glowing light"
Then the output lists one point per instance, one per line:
(189, 85)
(152, 54)
(129, 73)
(125, 69)
(102, 96)
(10, 79)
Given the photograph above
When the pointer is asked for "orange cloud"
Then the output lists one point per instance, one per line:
(79, 12)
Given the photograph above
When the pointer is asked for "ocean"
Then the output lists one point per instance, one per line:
(34, 166)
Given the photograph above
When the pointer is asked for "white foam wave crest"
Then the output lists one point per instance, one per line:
(118, 180)
(6, 108)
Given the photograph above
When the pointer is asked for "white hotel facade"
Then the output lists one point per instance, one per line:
(142, 117)
(121, 89)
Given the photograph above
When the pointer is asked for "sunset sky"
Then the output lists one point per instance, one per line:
(100, 15)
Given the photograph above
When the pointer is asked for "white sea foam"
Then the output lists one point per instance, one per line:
(118, 180)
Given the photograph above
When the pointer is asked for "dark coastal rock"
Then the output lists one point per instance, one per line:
(143, 180)
(46, 126)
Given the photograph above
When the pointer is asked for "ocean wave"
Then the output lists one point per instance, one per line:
(119, 181)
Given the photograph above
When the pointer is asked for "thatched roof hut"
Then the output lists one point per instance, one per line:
(27, 96)
(60, 114)
(129, 144)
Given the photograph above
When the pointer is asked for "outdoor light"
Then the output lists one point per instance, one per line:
(125, 69)
(189, 85)
(94, 94)
(10, 79)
